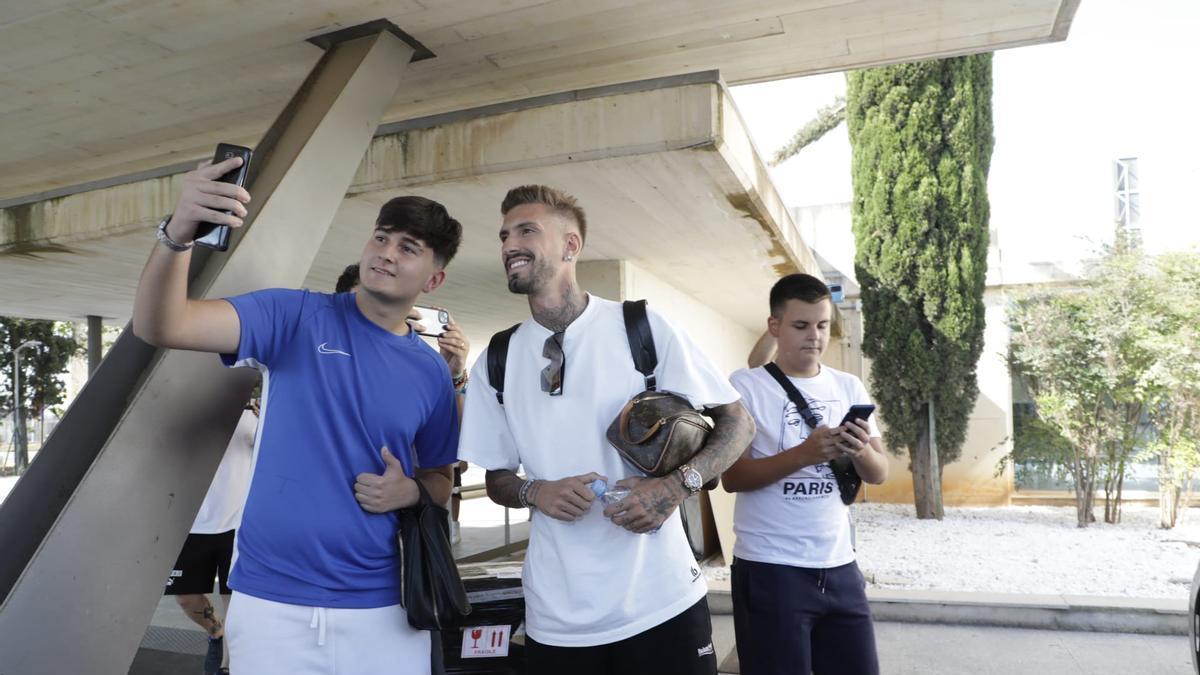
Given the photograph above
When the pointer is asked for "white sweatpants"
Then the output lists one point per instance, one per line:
(268, 638)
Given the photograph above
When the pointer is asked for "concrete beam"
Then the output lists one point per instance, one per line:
(91, 531)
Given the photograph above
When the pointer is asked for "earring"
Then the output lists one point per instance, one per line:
(568, 258)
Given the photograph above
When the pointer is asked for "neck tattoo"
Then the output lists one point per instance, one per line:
(567, 309)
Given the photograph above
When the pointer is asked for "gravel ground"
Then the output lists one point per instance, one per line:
(1025, 549)
(1013, 549)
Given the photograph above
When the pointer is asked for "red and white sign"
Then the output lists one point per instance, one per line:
(485, 641)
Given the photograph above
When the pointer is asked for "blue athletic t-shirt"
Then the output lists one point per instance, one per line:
(336, 389)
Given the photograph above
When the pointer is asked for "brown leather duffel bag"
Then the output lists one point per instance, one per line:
(658, 431)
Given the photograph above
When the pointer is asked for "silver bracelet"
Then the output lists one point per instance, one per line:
(523, 494)
(166, 240)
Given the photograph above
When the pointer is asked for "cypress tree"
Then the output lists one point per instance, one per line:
(921, 137)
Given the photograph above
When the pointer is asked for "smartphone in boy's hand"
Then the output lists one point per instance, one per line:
(857, 412)
(432, 322)
(210, 234)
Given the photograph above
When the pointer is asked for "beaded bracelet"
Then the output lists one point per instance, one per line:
(523, 494)
(460, 383)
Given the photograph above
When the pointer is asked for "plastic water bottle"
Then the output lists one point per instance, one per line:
(608, 495)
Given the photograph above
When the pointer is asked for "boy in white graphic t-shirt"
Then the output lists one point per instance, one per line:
(798, 596)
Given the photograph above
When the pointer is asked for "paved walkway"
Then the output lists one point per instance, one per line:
(935, 649)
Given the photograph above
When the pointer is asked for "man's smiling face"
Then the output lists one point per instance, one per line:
(531, 247)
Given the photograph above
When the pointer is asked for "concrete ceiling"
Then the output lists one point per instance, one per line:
(96, 89)
(665, 170)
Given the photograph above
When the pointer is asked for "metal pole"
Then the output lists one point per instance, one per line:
(19, 440)
(95, 338)
(17, 462)
(507, 534)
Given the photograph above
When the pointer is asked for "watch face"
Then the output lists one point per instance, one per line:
(692, 479)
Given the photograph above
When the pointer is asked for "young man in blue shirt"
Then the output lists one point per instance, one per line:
(356, 408)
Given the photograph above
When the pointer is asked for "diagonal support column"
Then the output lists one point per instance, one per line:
(90, 532)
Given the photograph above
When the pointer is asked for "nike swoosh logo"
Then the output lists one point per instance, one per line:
(323, 349)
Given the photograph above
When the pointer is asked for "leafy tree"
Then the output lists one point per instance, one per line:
(1173, 381)
(1114, 371)
(921, 137)
(42, 385)
(827, 119)
(1054, 349)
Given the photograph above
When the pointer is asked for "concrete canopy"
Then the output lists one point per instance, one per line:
(664, 168)
(93, 90)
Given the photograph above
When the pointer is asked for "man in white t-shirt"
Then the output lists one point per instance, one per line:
(799, 599)
(606, 592)
(208, 551)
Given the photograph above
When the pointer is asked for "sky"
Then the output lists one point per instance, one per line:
(1121, 85)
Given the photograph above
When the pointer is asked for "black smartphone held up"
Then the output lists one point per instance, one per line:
(210, 234)
(433, 319)
(857, 412)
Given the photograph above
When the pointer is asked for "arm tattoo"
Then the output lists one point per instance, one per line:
(504, 488)
(733, 429)
(660, 502)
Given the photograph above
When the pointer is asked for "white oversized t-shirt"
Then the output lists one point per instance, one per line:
(222, 507)
(589, 582)
(799, 520)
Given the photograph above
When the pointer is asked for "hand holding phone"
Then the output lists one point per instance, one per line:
(848, 428)
(213, 235)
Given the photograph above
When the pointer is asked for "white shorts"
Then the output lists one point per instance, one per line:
(266, 637)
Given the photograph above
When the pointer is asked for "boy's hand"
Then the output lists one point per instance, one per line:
(203, 199)
(854, 438)
(387, 492)
(454, 347)
(820, 446)
(649, 504)
(566, 499)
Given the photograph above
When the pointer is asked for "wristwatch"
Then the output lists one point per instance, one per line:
(166, 240)
(692, 480)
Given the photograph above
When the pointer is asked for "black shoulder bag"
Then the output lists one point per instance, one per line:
(431, 591)
(848, 480)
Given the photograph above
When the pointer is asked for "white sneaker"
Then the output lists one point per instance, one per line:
(455, 534)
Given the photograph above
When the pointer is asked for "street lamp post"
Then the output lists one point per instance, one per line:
(22, 447)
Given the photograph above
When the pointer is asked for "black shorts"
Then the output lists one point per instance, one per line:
(204, 557)
(680, 646)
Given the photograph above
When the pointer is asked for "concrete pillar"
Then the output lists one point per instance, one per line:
(90, 533)
(605, 278)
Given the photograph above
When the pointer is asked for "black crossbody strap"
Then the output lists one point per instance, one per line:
(794, 394)
(497, 360)
(641, 340)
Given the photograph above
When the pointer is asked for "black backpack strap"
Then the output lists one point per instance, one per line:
(794, 394)
(497, 360)
(641, 340)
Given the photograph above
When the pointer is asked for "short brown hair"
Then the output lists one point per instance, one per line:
(558, 201)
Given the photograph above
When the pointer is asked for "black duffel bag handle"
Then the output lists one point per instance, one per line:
(431, 591)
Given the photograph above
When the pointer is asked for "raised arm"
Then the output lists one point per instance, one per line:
(162, 313)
